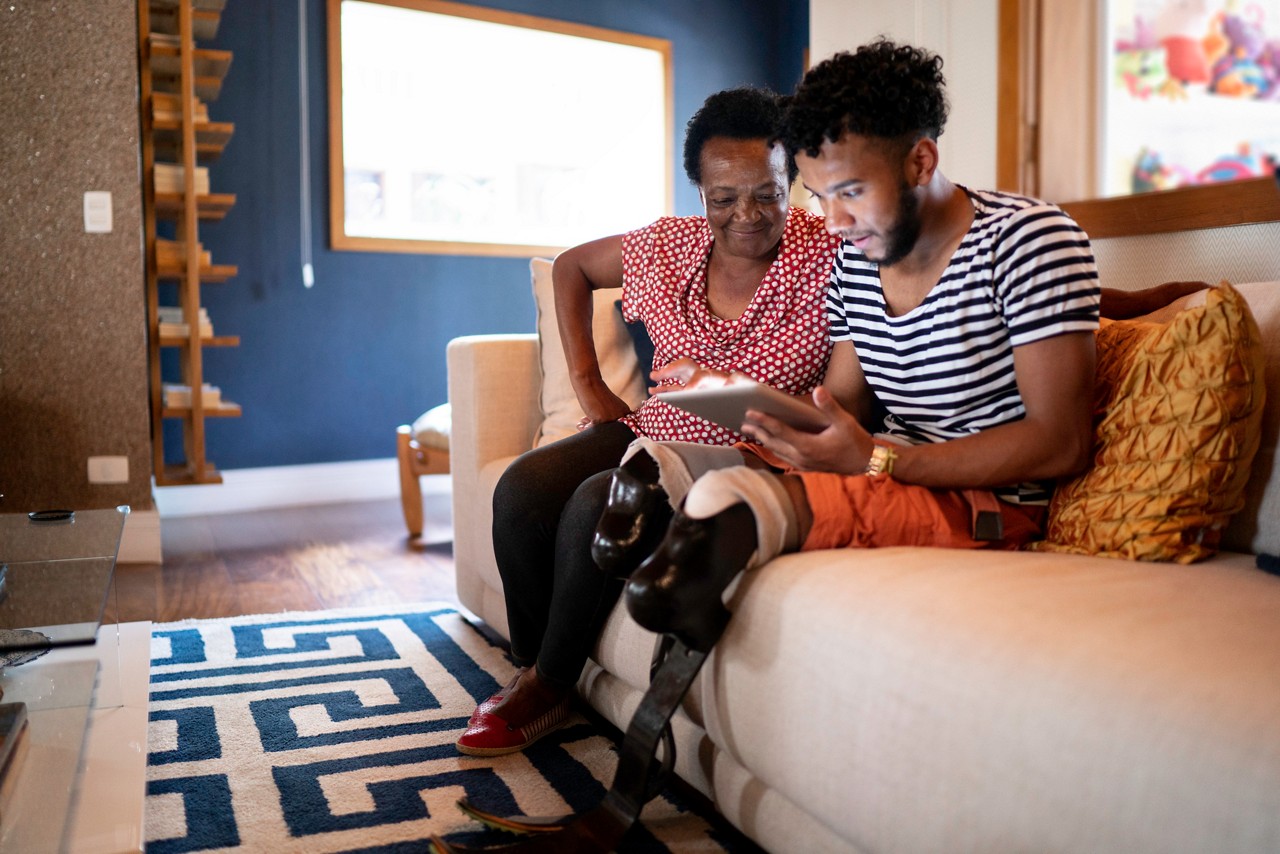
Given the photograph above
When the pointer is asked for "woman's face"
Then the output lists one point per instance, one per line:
(745, 192)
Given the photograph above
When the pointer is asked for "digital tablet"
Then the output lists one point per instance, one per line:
(727, 405)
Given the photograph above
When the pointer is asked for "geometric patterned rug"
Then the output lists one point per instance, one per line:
(333, 731)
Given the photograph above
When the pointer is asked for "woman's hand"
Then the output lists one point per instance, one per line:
(601, 406)
(843, 448)
(687, 373)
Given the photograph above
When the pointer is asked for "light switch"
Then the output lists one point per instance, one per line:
(108, 469)
(97, 211)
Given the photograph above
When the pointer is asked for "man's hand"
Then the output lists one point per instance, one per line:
(843, 448)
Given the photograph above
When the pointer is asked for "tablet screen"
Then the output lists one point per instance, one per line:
(727, 405)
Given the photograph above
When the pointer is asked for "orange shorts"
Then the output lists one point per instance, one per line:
(857, 511)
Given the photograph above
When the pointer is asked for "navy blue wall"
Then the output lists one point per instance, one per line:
(325, 374)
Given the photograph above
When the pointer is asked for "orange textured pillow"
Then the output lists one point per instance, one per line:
(1177, 409)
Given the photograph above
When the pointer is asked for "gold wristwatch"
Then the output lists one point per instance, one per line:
(881, 460)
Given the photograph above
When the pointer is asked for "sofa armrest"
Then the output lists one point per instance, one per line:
(494, 384)
(494, 390)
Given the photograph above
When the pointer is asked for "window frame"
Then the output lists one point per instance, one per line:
(340, 240)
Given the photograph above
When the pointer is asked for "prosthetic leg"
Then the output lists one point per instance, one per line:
(677, 592)
(648, 486)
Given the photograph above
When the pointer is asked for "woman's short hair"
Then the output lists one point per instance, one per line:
(883, 90)
(743, 113)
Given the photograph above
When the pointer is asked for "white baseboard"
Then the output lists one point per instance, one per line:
(291, 486)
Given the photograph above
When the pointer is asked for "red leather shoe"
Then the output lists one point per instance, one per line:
(487, 705)
(490, 735)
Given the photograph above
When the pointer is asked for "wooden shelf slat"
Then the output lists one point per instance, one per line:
(204, 22)
(215, 341)
(166, 61)
(205, 153)
(211, 137)
(207, 89)
(196, 5)
(222, 410)
(210, 273)
(212, 206)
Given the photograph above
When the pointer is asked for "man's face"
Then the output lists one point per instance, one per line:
(863, 187)
(744, 189)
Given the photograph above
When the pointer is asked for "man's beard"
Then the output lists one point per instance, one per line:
(901, 238)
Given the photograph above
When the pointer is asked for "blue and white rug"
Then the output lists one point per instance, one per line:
(334, 731)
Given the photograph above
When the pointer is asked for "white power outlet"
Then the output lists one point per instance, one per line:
(97, 212)
(108, 469)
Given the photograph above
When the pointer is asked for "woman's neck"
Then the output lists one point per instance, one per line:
(732, 281)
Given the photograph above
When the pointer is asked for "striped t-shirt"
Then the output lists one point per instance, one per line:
(1024, 272)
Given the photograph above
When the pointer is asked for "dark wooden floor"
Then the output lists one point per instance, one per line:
(294, 559)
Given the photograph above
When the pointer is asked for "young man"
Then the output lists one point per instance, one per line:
(967, 315)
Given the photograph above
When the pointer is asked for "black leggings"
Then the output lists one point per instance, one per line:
(545, 510)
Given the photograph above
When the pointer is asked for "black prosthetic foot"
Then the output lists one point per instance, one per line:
(638, 779)
(634, 518)
(677, 590)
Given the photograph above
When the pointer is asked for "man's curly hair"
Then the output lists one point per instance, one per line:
(883, 90)
(743, 113)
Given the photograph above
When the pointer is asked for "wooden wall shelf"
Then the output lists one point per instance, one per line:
(178, 82)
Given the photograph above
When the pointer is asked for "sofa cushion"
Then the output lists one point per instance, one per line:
(1178, 407)
(950, 700)
(614, 348)
(433, 426)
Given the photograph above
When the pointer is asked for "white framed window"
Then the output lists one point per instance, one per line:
(456, 129)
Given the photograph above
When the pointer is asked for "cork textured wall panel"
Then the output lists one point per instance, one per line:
(73, 360)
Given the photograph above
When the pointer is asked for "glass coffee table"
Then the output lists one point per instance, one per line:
(57, 571)
(64, 668)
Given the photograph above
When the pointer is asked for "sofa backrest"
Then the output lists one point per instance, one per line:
(1130, 263)
(615, 349)
(1257, 527)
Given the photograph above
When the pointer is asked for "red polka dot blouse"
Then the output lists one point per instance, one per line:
(781, 339)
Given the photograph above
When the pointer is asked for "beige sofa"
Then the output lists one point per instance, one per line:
(909, 699)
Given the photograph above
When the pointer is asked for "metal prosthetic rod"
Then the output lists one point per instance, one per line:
(689, 573)
(636, 782)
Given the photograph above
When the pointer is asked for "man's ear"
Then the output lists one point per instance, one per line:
(921, 162)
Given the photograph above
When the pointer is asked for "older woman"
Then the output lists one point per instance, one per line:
(739, 290)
